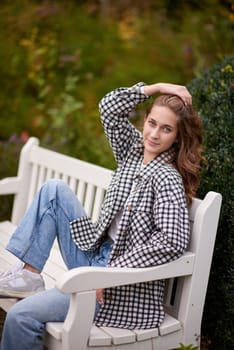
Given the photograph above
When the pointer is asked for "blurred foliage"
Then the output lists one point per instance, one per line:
(9, 155)
(58, 58)
(213, 94)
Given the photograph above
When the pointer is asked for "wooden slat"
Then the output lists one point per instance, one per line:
(144, 334)
(169, 325)
(168, 291)
(99, 196)
(73, 184)
(7, 260)
(55, 329)
(57, 174)
(41, 177)
(6, 230)
(98, 337)
(33, 184)
(120, 336)
(89, 196)
(49, 174)
(81, 191)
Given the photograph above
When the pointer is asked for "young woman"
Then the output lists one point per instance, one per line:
(143, 222)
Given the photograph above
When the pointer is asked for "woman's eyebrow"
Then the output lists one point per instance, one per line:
(168, 125)
(156, 122)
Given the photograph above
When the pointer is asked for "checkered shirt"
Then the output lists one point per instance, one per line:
(154, 228)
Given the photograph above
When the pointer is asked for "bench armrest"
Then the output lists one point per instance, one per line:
(84, 279)
(10, 185)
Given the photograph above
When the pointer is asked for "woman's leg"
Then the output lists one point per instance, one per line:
(25, 322)
(49, 217)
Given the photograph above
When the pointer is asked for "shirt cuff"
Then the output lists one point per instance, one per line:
(142, 90)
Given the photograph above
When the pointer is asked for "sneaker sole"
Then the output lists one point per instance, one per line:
(17, 295)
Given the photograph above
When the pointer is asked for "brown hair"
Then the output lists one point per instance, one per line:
(189, 149)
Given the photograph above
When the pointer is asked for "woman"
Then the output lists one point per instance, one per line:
(143, 222)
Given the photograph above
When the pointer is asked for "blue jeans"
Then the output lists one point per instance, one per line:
(49, 216)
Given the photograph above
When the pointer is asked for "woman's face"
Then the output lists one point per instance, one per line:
(159, 132)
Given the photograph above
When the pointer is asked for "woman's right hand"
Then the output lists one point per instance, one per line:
(99, 296)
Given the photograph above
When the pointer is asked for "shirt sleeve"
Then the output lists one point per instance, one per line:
(115, 108)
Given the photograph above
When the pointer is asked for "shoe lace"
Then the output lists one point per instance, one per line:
(13, 270)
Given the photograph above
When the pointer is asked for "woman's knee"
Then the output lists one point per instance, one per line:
(54, 184)
(65, 198)
(15, 315)
(56, 188)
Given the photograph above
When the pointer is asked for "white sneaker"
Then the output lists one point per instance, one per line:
(20, 283)
(17, 267)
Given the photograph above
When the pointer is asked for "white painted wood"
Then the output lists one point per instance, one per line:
(79, 321)
(87, 278)
(120, 336)
(169, 325)
(145, 334)
(10, 185)
(183, 318)
(73, 184)
(89, 196)
(202, 242)
(97, 337)
(99, 196)
(81, 191)
(32, 184)
(55, 329)
(24, 175)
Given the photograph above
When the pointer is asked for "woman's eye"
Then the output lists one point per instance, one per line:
(167, 129)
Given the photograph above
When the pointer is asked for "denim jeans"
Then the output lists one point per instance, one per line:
(49, 216)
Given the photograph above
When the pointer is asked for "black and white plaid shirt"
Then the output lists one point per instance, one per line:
(154, 228)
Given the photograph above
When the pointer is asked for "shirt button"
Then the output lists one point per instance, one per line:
(130, 207)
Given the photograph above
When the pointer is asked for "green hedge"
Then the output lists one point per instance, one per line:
(213, 95)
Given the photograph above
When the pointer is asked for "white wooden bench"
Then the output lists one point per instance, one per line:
(186, 277)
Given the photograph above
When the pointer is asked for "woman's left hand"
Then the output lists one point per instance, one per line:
(99, 296)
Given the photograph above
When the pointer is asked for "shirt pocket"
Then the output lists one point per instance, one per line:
(141, 226)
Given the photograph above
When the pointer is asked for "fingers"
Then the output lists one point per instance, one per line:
(100, 296)
(187, 100)
(185, 95)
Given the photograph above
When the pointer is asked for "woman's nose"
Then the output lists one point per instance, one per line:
(155, 132)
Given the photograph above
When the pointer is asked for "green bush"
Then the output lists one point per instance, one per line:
(213, 95)
(187, 347)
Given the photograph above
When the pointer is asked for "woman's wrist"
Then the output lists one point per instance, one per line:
(152, 89)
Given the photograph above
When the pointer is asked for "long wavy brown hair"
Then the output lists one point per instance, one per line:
(189, 152)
